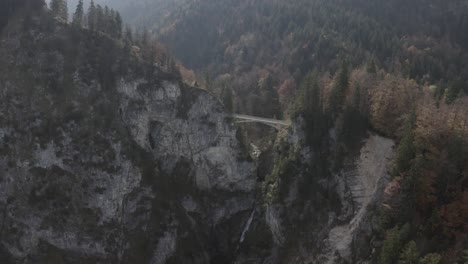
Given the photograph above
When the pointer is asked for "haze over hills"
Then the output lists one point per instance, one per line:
(125, 145)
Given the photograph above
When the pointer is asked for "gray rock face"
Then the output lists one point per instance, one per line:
(148, 172)
(321, 216)
(178, 124)
(364, 185)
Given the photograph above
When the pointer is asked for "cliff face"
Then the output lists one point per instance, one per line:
(319, 215)
(127, 171)
(352, 237)
(177, 125)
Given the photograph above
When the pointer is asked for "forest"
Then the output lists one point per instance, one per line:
(397, 68)
(285, 40)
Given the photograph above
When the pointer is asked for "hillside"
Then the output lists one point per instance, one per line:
(239, 43)
(106, 157)
(394, 67)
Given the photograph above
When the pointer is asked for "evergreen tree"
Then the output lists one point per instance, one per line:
(59, 9)
(128, 34)
(114, 21)
(125, 59)
(354, 123)
(453, 91)
(410, 254)
(55, 7)
(208, 81)
(92, 19)
(371, 68)
(100, 20)
(145, 39)
(393, 243)
(78, 16)
(439, 91)
(340, 86)
(311, 95)
(64, 11)
(112, 24)
(269, 105)
(431, 259)
(228, 99)
(310, 102)
(107, 21)
(118, 24)
(406, 149)
(464, 257)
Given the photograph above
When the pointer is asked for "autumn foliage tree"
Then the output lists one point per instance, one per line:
(390, 101)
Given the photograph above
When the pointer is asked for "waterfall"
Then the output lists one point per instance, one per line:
(247, 226)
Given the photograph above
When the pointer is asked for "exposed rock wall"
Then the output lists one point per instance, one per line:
(175, 124)
(364, 183)
(320, 216)
(140, 172)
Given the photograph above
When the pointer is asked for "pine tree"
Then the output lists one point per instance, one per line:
(354, 121)
(393, 244)
(128, 34)
(55, 7)
(228, 99)
(311, 108)
(64, 11)
(125, 59)
(311, 95)
(270, 105)
(107, 19)
(406, 149)
(78, 16)
(371, 68)
(465, 257)
(410, 254)
(431, 259)
(453, 91)
(112, 23)
(339, 88)
(208, 81)
(118, 24)
(92, 12)
(100, 20)
(59, 9)
(145, 39)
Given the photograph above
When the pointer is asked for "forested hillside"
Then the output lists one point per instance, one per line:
(252, 40)
(398, 68)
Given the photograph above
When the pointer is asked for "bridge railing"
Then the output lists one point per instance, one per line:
(255, 119)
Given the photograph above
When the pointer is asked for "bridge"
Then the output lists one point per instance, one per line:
(275, 123)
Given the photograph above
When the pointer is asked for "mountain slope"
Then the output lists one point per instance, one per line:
(241, 43)
(103, 162)
(394, 67)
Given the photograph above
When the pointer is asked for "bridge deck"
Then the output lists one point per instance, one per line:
(262, 120)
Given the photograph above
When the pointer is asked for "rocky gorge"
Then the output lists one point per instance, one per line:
(142, 168)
